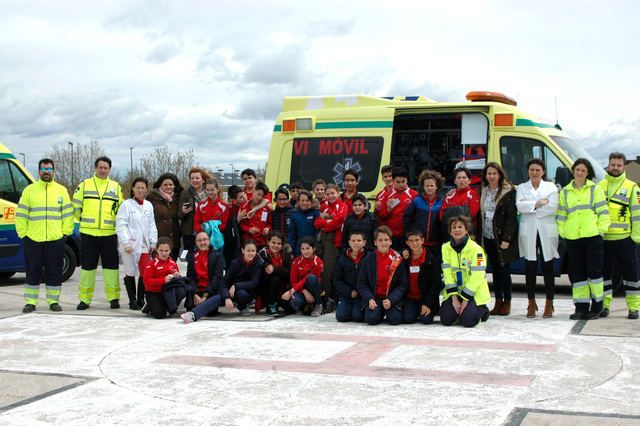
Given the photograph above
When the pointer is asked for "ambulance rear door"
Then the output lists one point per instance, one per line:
(12, 182)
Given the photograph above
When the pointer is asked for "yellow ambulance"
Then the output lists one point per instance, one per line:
(14, 178)
(321, 137)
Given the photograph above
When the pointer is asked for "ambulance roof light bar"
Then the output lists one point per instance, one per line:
(480, 96)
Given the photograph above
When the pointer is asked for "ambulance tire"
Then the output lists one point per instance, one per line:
(6, 275)
(69, 263)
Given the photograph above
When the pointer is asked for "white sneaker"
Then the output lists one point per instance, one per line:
(317, 311)
(188, 317)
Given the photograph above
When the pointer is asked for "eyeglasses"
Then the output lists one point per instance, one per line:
(282, 199)
(46, 169)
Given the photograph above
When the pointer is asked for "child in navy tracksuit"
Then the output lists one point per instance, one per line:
(301, 221)
(424, 270)
(204, 270)
(345, 277)
(305, 279)
(360, 220)
(243, 276)
(382, 281)
(276, 273)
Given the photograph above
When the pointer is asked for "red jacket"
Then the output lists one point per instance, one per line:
(382, 199)
(302, 267)
(465, 197)
(156, 272)
(211, 210)
(261, 220)
(393, 217)
(337, 214)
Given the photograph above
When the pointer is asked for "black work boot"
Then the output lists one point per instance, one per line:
(140, 292)
(114, 304)
(130, 285)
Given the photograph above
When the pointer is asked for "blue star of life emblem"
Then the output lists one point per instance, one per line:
(340, 168)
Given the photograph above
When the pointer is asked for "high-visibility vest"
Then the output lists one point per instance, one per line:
(464, 273)
(44, 212)
(96, 202)
(619, 203)
(582, 213)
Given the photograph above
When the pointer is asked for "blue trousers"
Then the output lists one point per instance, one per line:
(311, 284)
(349, 310)
(375, 316)
(243, 297)
(411, 313)
(208, 306)
(470, 316)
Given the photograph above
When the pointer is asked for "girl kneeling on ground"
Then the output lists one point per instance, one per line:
(466, 291)
(382, 281)
(204, 271)
(275, 276)
(345, 278)
(305, 279)
(243, 276)
(158, 273)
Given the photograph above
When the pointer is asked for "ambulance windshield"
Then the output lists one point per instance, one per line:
(575, 151)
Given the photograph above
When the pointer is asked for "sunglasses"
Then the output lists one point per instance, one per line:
(46, 169)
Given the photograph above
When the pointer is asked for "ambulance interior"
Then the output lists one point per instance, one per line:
(441, 142)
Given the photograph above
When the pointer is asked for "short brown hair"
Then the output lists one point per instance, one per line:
(382, 230)
(164, 240)
(462, 219)
(205, 176)
(431, 174)
(333, 186)
(617, 156)
(318, 182)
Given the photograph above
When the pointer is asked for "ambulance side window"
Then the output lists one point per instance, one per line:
(12, 181)
(515, 152)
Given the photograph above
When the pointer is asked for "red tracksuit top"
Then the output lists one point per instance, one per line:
(382, 198)
(156, 272)
(394, 218)
(302, 267)
(261, 220)
(337, 214)
(211, 210)
(465, 197)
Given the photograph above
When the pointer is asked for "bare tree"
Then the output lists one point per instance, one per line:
(162, 160)
(74, 163)
(261, 171)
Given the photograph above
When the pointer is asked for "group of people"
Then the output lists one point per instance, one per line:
(415, 257)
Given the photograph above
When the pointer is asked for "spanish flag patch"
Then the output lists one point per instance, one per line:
(479, 259)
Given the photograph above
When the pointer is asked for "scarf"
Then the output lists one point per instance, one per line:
(167, 196)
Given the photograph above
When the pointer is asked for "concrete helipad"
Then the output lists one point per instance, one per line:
(116, 367)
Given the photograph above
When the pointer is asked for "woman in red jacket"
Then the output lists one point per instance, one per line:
(461, 201)
(329, 223)
(212, 208)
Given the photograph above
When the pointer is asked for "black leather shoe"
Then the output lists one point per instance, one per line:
(115, 304)
(28, 308)
(592, 315)
(633, 315)
(55, 307)
(82, 306)
(604, 313)
(578, 316)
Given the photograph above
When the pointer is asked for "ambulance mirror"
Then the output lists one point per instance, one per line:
(563, 176)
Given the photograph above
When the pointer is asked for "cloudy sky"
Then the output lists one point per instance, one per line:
(210, 75)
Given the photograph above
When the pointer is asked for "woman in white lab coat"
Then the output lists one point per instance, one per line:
(137, 238)
(537, 202)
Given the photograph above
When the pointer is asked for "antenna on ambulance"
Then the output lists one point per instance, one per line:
(555, 101)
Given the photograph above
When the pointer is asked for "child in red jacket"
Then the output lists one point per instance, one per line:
(212, 208)
(256, 226)
(306, 271)
(158, 272)
(391, 212)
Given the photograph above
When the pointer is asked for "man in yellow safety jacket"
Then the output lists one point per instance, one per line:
(623, 235)
(43, 218)
(96, 202)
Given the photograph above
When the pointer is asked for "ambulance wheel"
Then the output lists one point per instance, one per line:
(69, 263)
(6, 275)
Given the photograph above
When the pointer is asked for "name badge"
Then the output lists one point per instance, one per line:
(394, 202)
(264, 216)
(414, 269)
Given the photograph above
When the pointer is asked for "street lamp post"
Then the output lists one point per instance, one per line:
(233, 175)
(72, 165)
(131, 158)
(23, 158)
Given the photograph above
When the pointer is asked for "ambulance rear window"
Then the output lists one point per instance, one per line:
(328, 158)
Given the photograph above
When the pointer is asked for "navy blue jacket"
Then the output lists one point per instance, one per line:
(244, 277)
(368, 277)
(345, 275)
(280, 219)
(283, 272)
(367, 224)
(215, 266)
(429, 281)
(301, 225)
(419, 215)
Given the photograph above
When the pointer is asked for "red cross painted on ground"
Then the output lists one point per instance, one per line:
(356, 360)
